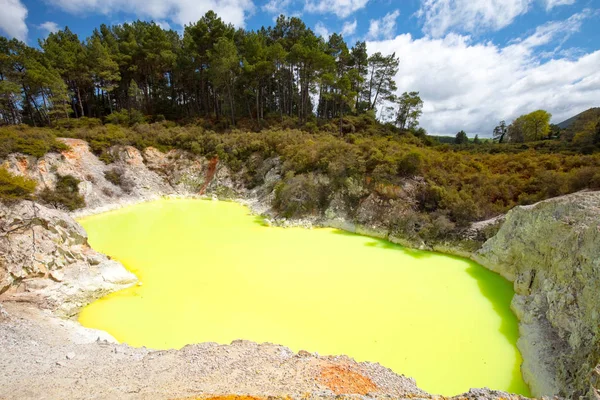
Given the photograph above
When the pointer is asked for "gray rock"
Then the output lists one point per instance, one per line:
(44, 258)
(551, 252)
(3, 313)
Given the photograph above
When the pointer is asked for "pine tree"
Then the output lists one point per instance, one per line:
(410, 108)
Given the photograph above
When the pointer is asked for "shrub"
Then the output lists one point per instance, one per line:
(113, 176)
(65, 194)
(439, 228)
(299, 196)
(118, 118)
(14, 187)
(464, 183)
(411, 164)
(108, 192)
(429, 197)
(117, 177)
(461, 207)
(385, 171)
(582, 178)
(126, 118)
(106, 157)
(75, 123)
(409, 225)
(35, 142)
(311, 127)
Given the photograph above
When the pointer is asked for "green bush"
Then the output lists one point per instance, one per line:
(411, 164)
(439, 228)
(311, 127)
(77, 123)
(117, 177)
(118, 118)
(34, 142)
(14, 187)
(409, 225)
(460, 206)
(582, 178)
(113, 176)
(429, 197)
(127, 118)
(65, 194)
(299, 196)
(463, 183)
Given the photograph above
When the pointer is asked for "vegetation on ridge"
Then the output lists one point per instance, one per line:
(281, 91)
(451, 184)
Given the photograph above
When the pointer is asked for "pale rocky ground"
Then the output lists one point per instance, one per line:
(48, 272)
(79, 364)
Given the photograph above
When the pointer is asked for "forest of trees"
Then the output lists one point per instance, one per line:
(213, 71)
(583, 132)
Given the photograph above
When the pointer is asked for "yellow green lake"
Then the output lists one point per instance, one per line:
(212, 272)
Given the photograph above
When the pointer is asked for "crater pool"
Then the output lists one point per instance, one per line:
(211, 272)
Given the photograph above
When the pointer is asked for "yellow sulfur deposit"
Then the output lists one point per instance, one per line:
(211, 272)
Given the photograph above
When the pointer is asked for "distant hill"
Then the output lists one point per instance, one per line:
(444, 139)
(451, 139)
(592, 113)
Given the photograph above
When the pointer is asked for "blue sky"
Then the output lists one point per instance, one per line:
(474, 62)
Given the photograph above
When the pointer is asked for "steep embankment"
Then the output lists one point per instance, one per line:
(45, 259)
(550, 250)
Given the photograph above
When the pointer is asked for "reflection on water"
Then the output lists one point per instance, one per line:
(212, 272)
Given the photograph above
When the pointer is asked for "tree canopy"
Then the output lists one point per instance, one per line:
(461, 138)
(410, 108)
(212, 70)
(530, 127)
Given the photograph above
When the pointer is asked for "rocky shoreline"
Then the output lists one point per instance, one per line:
(550, 251)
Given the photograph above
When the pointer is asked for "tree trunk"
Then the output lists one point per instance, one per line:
(80, 103)
(46, 108)
(109, 102)
(341, 122)
(257, 108)
(231, 105)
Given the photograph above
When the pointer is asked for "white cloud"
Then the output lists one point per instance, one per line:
(12, 19)
(321, 30)
(472, 86)
(277, 7)
(384, 28)
(441, 16)
(163, 24)
(178, 11)
(49, 27)
(349, 28)
(550, 4)
(547, 33)
(341, 8)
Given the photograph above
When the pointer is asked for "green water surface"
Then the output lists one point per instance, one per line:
(210, 271)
